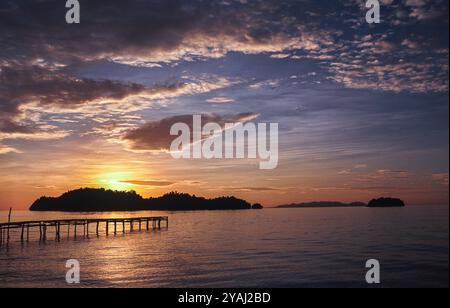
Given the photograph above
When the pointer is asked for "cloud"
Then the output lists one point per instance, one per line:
(30, 94)
(415, 3)
(6, 149)
(154, 32)
(38, 71)
(158, 32)
(220, 100)
(440, 178)
(35, 135)
(391, 174)
(148, 183)
(22, 85)
(252, 189)
(155, 136)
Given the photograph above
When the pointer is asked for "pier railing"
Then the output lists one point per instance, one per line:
(72, 226)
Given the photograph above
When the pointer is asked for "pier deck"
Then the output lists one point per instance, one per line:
(57, 227)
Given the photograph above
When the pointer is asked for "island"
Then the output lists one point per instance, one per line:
(101, 200)
(322, 204)
(381, 202)
(386, 202)
(257, 206)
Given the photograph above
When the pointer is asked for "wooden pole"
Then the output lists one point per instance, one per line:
(9, 221)
(22, 233)
(58, 226)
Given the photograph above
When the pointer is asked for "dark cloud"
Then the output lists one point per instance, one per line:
(155, 136)
(24, 85)
(147, 33)
(20, 85)
(138, 28)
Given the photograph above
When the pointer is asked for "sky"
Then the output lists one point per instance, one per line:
(362, 108)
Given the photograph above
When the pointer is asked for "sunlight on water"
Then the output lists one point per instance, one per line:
(267, 248)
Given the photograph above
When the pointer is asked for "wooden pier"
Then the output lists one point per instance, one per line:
(76, 227)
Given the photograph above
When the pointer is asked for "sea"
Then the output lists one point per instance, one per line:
(270, 248)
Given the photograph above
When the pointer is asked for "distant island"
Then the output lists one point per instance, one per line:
(386, 202)
(322, 204)
(381, 202)
(101, 200)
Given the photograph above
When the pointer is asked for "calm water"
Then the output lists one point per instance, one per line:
(268, 248)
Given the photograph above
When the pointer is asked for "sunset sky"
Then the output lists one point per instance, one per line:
(363, 109)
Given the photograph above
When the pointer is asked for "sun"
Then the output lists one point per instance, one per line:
(116, 180)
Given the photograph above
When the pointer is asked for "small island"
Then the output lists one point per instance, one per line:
(257, 206)
(322, 204)
(386, 202)
(381, 202)
(101, 200)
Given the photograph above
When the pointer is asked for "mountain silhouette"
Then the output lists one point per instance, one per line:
(101, 200)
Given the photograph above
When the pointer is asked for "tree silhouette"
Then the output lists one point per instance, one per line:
(101, 200)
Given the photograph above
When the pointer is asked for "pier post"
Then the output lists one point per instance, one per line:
(107, 227)
(9, 221)
(123, 226)
(22, 233)
(58, 231)
(115, 227)
(28, 233)
(147, 224)
(140, 225)
(96, 229)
